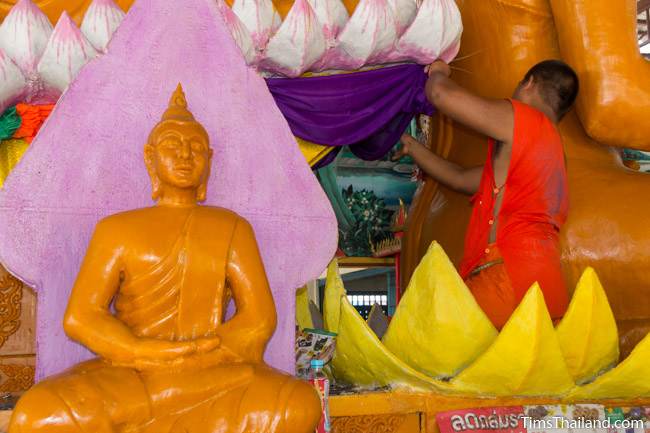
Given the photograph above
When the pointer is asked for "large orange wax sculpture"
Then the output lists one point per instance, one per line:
(168, 361)
(606, 228)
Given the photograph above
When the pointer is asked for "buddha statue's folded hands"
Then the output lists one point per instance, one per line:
(180, 356)
(149, 353)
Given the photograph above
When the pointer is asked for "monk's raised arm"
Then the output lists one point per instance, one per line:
(248, 331)
(88, 318)
(491, 117)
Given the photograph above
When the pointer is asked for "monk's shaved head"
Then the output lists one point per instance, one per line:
(557, 83)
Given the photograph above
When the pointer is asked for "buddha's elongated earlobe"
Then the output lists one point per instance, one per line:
(156, 188)
(202, 191)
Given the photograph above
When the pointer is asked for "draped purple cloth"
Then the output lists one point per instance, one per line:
(367, 111)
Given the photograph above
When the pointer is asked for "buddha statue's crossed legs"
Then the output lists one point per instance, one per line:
(95, 397)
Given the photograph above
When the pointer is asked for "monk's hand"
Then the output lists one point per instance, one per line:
(438, 67)
(408, 142)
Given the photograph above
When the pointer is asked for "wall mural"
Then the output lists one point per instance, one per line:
(366, 195)
(636, 160)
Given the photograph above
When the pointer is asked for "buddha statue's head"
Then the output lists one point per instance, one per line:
(178, 154)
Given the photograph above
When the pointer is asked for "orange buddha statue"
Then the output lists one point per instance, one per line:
(150, 301)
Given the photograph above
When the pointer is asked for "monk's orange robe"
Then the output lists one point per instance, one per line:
(534, 206)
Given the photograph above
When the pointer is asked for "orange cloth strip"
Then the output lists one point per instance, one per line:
(33, 117)
(492, 289)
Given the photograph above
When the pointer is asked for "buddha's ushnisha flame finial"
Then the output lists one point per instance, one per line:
(177, 109)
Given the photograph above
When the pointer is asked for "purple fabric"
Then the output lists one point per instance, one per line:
(367, 111)
(87, 162)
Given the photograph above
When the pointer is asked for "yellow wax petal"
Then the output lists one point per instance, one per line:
(630, 379)
(588, 334)
(361, 359)
(303, 315)
(11, 151)
(524, 360)
(313, 152)
(334, 291)
(438, 327)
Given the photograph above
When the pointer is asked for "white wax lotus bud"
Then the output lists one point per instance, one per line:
(66, 53)
(434, 34)
(298, 43)
(239, 32)
(260, 18)
(405, 11)
(277, 21)
(453, 31)
(101, 20)
(370, 34)
(24, 35)
(332, 16)
(13, 86)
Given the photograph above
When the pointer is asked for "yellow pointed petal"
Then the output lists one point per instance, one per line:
(334, 291)
(313, 152)
(630, 379)
(524, 360)
(361, 359)
(303, 315)
(438, 327)
(588, 334)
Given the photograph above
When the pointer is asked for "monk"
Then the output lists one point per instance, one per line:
(150, 301)
(520, 197)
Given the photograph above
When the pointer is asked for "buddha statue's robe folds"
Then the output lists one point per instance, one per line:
(150, 300)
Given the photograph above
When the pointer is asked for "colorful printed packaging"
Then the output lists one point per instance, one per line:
(313, 344)
(634, 419)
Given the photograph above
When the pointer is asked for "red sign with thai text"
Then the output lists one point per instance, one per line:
(483, 420)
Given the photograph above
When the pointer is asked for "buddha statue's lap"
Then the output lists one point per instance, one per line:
(167, 359)
(99, 397)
